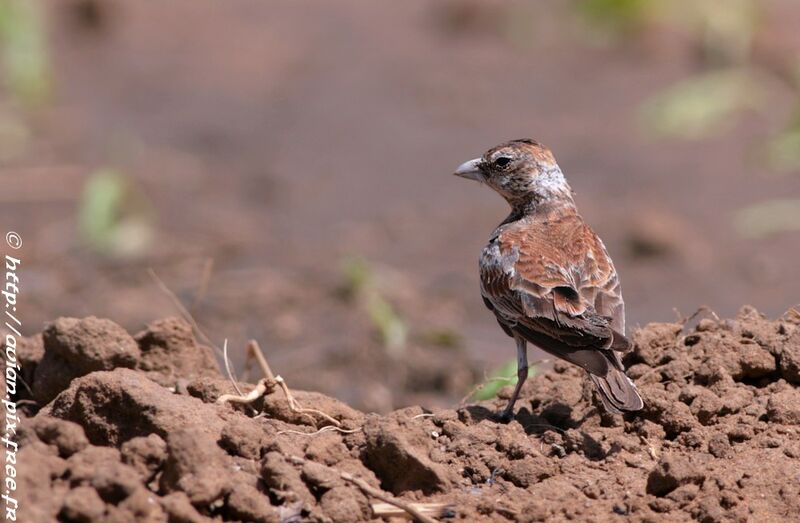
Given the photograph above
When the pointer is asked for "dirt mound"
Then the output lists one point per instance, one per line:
(132, 433)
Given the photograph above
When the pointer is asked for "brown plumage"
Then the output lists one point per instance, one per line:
(547, 276)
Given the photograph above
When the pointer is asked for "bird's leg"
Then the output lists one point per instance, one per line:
(522, 375)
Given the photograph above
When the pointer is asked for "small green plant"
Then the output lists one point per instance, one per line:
(24, 56)
(443, 337)
(768, 218)
(701, 105)
(359, 283)
(14, 135)
(503, 376)
(114, 217)
(733, 78)
(783, 150)
(356, 276)
(616, 18)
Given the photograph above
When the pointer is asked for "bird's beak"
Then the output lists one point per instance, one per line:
(471, 170)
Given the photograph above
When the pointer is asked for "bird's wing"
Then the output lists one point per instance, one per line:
(543, 281)
(608, 301)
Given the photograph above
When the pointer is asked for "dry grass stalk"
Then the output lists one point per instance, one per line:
(267, 385)
(387, 510)
(366, 488)
(184, 312)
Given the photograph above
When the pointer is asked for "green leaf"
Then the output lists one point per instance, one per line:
(505, 375)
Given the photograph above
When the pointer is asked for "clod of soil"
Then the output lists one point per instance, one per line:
(74, 347)
(120, 440)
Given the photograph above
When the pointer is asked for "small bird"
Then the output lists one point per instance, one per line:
(548, 277)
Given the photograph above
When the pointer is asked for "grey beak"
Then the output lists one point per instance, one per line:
(471, 170)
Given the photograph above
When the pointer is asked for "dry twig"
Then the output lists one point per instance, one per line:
(228, 368)
(546, 426)
(326, 428)
(650, 449)
(792, 315)
(254, 351)
(704, 309)
(294, 406)
(187, 316)
(267, 385)
(184, 312)
(387, 510)
(369, 490)
(205, 278)
(262, 388)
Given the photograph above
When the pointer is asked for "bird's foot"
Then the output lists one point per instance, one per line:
(505, 416)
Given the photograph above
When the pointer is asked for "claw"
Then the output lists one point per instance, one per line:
(505, 417)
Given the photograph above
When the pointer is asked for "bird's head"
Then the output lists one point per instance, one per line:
(521, 171)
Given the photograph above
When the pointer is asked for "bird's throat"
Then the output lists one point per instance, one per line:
(539, 204)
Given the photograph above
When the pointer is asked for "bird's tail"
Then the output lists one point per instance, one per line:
(617, 391)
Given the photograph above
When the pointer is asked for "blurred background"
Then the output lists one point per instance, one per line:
(285, 167)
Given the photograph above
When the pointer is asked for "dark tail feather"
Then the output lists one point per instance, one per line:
(619, 343)
(617, 391)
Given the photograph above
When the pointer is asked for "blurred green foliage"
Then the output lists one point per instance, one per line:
(768, 218)
(732, 78)
(617, 17)
(445, 338)
(359, 282)
(390, 326)
(702, 104)
(14, 136)
(357, 276)
(724, 31)
(24, 53)
(114, 217)
(783, 149)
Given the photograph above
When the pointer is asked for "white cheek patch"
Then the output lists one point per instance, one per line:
(548, 183)
(551, 180)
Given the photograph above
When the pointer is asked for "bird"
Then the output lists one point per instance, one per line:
(547, 276)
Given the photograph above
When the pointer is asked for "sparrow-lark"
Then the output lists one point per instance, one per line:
(548, 277)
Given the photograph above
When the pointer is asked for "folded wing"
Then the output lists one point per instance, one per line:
(552, 283)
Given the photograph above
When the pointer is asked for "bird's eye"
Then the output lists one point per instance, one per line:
(502, 161)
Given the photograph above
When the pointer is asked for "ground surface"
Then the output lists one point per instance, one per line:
(278, 138)
(125, 428)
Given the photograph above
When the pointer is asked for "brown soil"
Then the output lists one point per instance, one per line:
(277, 138)
(133, 434)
